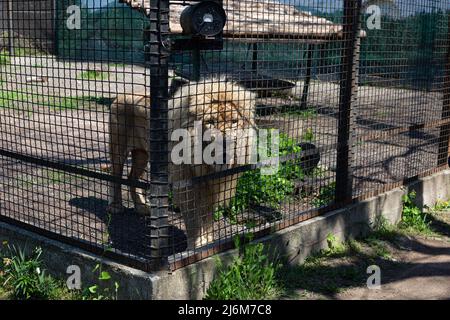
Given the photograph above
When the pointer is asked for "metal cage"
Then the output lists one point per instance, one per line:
(303, 107)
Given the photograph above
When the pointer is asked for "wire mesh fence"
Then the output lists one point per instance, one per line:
(155, 140)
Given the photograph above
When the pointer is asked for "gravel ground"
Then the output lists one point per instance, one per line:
(75, 206)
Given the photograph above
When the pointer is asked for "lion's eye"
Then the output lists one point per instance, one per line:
(211, 122)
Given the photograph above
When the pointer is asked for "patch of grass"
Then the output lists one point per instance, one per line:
(93, 75)
(251, 276)
(26, 52)
(11, 99)
(75, 102)
(355, 246)
(383, 230)
(72, 102)
(413, 217)
(441, 205)
(309, 113)
(318, 275)
(3, 294)
(48, 177)
(379, 247)
(117, 65)
(5, 58)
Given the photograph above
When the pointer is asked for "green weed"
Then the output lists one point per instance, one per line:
(412, 216)
(251, 276)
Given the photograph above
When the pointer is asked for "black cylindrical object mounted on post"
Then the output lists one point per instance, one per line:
(206, 18)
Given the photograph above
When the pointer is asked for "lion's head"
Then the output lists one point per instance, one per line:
(226, 112)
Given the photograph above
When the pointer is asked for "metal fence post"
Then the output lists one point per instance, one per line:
(444, 136)
(348, 97)
(309, 65)
(158, 55)
(10, 27)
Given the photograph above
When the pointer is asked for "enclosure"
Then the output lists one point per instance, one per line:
(359, 92)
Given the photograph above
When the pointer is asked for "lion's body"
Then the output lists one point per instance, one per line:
(219, 105)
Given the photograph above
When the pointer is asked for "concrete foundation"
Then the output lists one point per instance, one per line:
(294, 243)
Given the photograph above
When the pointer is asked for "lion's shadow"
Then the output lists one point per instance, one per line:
(126, 231)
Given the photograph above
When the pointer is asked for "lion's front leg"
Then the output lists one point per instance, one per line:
(115, 189)
(198, 213)
(139, 165)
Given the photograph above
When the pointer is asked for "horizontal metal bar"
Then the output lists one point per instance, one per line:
(73, 169)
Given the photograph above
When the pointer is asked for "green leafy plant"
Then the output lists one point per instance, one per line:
(325, 196)
(25, 276)
(106, 289)
(412, 216)
(251, 276)
(308, 135)
(253, 187)
(335, 247)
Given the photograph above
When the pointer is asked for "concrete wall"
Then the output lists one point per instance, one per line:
(294, 243)
(32, 19)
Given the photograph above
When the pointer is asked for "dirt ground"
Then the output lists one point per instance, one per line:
(423, 273)
(413, 266)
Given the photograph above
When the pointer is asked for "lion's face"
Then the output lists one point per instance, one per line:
(235, 124)
(228, 117)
